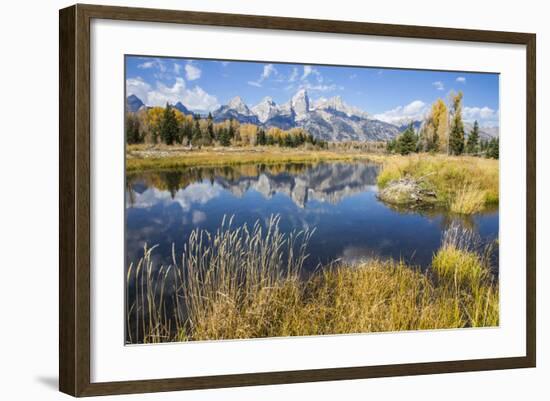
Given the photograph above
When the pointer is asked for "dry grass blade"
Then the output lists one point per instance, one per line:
(247, 282)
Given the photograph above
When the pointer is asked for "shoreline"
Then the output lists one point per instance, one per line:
(169, 158)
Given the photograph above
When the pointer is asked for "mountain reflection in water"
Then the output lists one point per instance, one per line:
(338, 199)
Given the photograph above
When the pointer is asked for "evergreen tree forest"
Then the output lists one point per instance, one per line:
(443, 131)
(169, 126)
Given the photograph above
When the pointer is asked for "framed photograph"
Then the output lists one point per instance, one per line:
(249, 200)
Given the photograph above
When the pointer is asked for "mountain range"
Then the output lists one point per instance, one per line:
(329, 119)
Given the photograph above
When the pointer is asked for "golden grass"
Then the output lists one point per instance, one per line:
(464, 184)
(140, 157)
(248, 283)
(469, 199)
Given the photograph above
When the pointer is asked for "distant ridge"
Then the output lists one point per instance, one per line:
(133, 103)
(328, 119)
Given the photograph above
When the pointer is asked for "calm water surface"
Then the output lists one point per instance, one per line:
(337, 199)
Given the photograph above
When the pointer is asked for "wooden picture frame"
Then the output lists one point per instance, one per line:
(74, 199)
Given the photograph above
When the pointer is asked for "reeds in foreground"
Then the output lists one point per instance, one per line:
(243, 282)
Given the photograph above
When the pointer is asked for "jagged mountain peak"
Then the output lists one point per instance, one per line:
(238, 104)
(338, 104)
(301, 94)
(133, 103)
(237, 109)
(300, 104)
(268, 100)
(266, 109)
(180, 106)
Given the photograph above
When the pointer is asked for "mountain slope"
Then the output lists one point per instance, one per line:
(133, 103)
(235, 109)
(179, 106)
(328, 119)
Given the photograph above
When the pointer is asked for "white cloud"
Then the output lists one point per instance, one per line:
(146, 65)
(293, 75)
(154, 63)
(321, 87)
(290, 87)
(198, 99)
(462, 80)
(438, 85)
(166, 94)
(198, 217)
(254, 83)
(307, 71)
(416, 110)
(194, 99)
(137, 86)
(414, 107)
(192, 72)
(310, 71)
(479, 113)
(194, 194)
(269, 70)
(225, 63)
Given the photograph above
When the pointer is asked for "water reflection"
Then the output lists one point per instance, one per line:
(339, 199)
(300, 182)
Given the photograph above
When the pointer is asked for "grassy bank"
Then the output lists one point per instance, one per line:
(243, 282)
(140, 157)
(464, 185)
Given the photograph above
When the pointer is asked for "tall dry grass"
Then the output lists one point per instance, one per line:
(464, 263)
(243, 282)
(464, 184)
(141, 157)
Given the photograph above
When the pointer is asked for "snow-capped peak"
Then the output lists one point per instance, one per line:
(336, 103)
(239, 105)
(266, 109)
(300, 104)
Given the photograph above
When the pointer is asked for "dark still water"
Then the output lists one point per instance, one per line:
(337, 199)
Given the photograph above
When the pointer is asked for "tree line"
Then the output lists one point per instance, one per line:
(443, 132)
(170, 126)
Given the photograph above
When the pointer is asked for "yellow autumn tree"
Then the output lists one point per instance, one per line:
(248, 134)
(154, 118)
(435, 134)
(277, 134)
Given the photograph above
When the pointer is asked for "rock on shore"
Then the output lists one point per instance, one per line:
(407, 192)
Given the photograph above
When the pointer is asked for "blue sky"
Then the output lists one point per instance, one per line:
(387, 94)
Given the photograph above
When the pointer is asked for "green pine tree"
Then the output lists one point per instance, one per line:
(196, 133)
(187, 131)
(456, 135)
(472, 144)
(262, 140)
(493, 148)
(406, 142)
(231, 129)
(132, 129)
(225, 140)
(210, 128)
(169, 126)
(391, 146)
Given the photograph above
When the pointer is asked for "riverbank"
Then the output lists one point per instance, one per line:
(462, 185)
(237, 284)
(162, 157)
